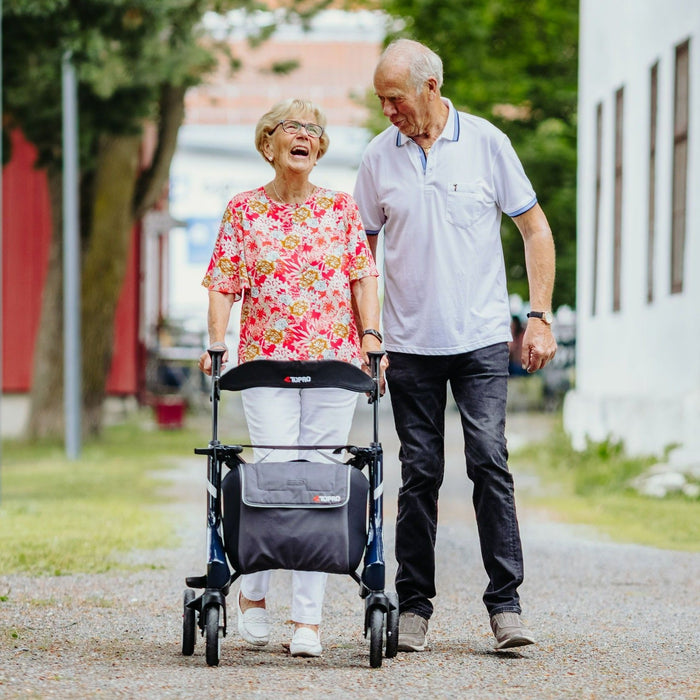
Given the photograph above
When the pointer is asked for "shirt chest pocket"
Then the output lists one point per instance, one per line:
(467, 202)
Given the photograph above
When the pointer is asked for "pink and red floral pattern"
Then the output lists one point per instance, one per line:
(293, 266)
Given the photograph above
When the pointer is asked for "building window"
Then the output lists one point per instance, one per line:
(617, 205)
(680, 166)
(596, 213)
(651, 229)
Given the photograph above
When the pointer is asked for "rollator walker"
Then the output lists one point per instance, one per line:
(303, 515)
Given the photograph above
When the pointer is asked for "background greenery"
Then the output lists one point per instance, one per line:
(592, 487)
(134, 61)
(514, 63)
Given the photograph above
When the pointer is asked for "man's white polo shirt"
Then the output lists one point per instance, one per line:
(445, 284)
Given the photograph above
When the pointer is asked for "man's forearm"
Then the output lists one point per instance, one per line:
(540, 265)
(372, 242)
(539, 256)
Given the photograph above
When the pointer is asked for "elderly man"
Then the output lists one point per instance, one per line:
(437, 181)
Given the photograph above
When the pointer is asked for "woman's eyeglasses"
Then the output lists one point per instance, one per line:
(292, 126)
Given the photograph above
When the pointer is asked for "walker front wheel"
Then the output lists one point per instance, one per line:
(376, 628)
(213, 638)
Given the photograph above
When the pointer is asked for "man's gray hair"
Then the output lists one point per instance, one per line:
(422, 63)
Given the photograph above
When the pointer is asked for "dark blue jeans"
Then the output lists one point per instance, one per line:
(418, 390)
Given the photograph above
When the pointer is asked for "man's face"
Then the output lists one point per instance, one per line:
(406, 109)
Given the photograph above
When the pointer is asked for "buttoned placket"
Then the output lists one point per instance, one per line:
(423, 155)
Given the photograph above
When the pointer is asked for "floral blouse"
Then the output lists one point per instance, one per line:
(293, 266)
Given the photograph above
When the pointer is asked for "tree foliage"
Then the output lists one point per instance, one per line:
(134, 60)
(514, 62)
(124, 51)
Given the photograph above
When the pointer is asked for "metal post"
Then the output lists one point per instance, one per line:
(72, 383)
(1, 314)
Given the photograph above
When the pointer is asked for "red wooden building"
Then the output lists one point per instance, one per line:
(26, 235)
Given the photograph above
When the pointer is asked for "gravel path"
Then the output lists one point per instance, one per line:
(612, 621)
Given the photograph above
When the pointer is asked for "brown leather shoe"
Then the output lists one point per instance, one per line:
(509, 631)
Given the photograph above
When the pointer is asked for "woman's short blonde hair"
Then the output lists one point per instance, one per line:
(284, 110)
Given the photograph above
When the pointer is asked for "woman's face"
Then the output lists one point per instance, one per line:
(294, 153)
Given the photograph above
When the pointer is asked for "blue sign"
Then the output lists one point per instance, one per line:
(201, 236)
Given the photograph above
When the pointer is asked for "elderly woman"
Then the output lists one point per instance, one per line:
(297, 256)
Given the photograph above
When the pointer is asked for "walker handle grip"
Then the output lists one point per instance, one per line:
(375, 359)
(216, 353)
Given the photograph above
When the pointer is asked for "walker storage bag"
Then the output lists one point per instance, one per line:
(307, 516)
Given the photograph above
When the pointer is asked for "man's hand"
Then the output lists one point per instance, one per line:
(539, 345)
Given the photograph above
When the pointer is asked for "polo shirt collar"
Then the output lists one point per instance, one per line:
(450, 132)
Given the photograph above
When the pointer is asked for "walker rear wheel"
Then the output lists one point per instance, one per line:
(188, 624)
(392, 626)
(376, 628)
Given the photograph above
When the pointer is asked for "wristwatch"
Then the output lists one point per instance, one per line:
(375, 333)
(546, 316)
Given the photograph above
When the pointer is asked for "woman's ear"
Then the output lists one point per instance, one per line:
(268, 151)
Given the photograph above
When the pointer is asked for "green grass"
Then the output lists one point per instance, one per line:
(60, 517)
(592, 487)
(63, 517)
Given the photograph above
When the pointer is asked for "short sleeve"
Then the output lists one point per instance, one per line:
(514, 192)
(366, 197)
(227, 271)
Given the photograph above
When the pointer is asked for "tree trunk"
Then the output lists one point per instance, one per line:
(115, 204)
(104, 266)
(171, 112)
(46, 416)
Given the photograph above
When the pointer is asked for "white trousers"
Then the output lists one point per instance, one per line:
(296, 417)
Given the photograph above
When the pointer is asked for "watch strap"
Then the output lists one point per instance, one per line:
(374, 332)
(545, 316)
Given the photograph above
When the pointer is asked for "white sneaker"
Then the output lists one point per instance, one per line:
(253, 625)
(305, 642)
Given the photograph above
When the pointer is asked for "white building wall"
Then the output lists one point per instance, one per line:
(638, 369)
